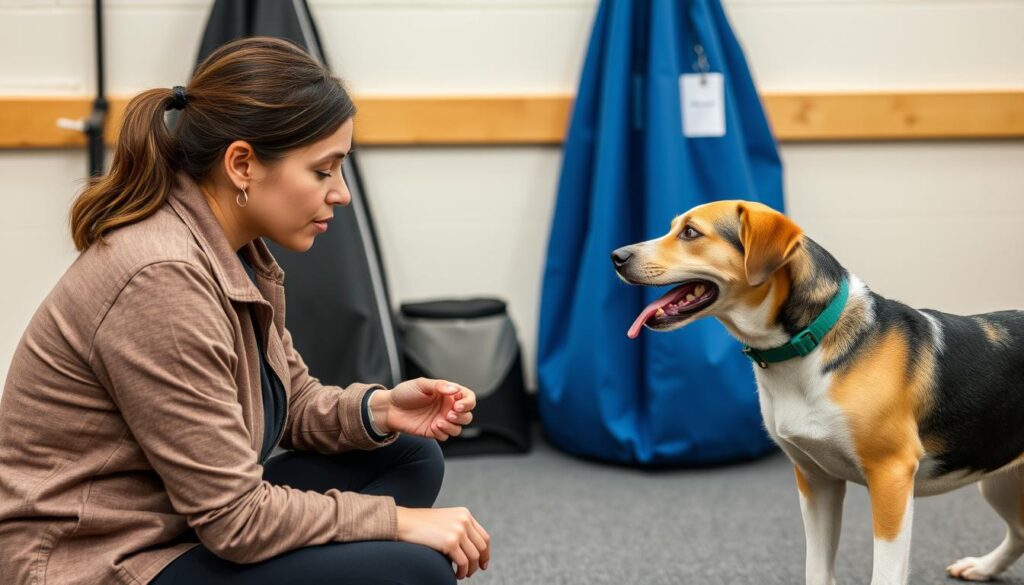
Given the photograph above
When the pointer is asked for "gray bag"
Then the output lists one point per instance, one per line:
(472, 342)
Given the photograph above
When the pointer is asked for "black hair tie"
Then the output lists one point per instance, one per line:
(179, 101)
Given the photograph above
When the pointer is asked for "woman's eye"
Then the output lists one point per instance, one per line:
(689, 233)
(324, 174)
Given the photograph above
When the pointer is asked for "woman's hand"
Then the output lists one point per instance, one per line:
(436, 409)
(451, 531)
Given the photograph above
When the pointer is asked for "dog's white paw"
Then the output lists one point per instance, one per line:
(971, 569)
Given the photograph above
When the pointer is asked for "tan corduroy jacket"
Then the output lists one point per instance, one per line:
(133, 410)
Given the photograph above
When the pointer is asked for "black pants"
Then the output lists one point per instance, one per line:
(410, 470)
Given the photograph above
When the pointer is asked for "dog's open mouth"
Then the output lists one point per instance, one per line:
(676, 305)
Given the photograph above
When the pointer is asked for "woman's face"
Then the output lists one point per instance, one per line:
(292, 199)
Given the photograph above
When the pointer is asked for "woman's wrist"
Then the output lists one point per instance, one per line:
(380, 406)
(402, 522)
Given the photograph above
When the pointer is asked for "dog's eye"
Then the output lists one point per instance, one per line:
(689, 233)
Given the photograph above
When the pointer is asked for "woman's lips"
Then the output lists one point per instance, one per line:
(321, 226)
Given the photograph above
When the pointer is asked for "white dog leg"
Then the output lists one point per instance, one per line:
(821, 503)
(1004, 493)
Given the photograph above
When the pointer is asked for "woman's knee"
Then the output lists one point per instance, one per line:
(419, 565)
(361, 563)
(398, 563)
(424, 455)
(431, 452)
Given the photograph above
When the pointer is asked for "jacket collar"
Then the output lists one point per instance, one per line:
(188, 201)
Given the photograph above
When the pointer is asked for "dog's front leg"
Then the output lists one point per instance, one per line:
(891, 488)
(821, 503)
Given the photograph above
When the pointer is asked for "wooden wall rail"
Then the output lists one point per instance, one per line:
(30, 122)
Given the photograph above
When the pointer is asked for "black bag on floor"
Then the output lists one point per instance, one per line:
(473, 343)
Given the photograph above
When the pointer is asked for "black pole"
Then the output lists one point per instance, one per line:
(94, 126)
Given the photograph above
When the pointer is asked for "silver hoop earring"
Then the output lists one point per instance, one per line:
(242, 199)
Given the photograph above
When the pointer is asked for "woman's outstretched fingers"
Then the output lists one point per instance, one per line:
(437, 432)
(446, 388)
(448, 428)
(466, 402)
(460, 419)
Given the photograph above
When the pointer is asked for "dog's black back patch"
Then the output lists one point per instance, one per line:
(978, 410)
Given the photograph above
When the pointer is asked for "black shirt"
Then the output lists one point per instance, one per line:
(273, 391)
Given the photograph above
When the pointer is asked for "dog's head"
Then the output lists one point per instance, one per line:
(716, 254)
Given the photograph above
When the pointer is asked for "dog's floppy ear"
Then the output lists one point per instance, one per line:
(769, 240)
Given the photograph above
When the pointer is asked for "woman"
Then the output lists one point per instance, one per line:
(156, 378)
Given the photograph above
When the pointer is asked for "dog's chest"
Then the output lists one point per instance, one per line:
(811, 429)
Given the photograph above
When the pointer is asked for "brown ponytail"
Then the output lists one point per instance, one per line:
(140, 177)
(266, 91)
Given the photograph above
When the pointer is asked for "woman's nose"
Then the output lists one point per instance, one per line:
(340, 196)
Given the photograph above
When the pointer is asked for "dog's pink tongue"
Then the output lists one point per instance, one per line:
(649, 311)
(634, 329)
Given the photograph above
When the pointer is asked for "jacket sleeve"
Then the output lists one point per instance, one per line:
(164, 350)
(326, 419)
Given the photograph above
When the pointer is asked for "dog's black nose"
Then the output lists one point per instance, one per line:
(620, 257)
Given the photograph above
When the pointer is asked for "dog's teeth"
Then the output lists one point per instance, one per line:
(699, 290)
(689, 298)
(660, 313)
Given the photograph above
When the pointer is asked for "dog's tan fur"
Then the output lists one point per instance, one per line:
(877, 382)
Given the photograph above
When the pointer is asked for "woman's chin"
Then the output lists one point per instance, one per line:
(296, 243)
(303, 245)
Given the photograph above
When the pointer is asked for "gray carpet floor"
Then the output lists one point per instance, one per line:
(555, 519)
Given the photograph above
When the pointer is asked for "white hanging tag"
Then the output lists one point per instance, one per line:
(703, 104)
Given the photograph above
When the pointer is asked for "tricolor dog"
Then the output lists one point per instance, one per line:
(853, 386)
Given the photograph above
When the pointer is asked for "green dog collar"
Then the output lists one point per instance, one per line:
(804, 342)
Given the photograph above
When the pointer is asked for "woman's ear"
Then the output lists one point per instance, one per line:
(239, 163)
(769, 240)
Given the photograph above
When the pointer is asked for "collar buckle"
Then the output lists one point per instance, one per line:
(804, 342)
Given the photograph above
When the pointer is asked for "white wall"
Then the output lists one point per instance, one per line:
(934, 224)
